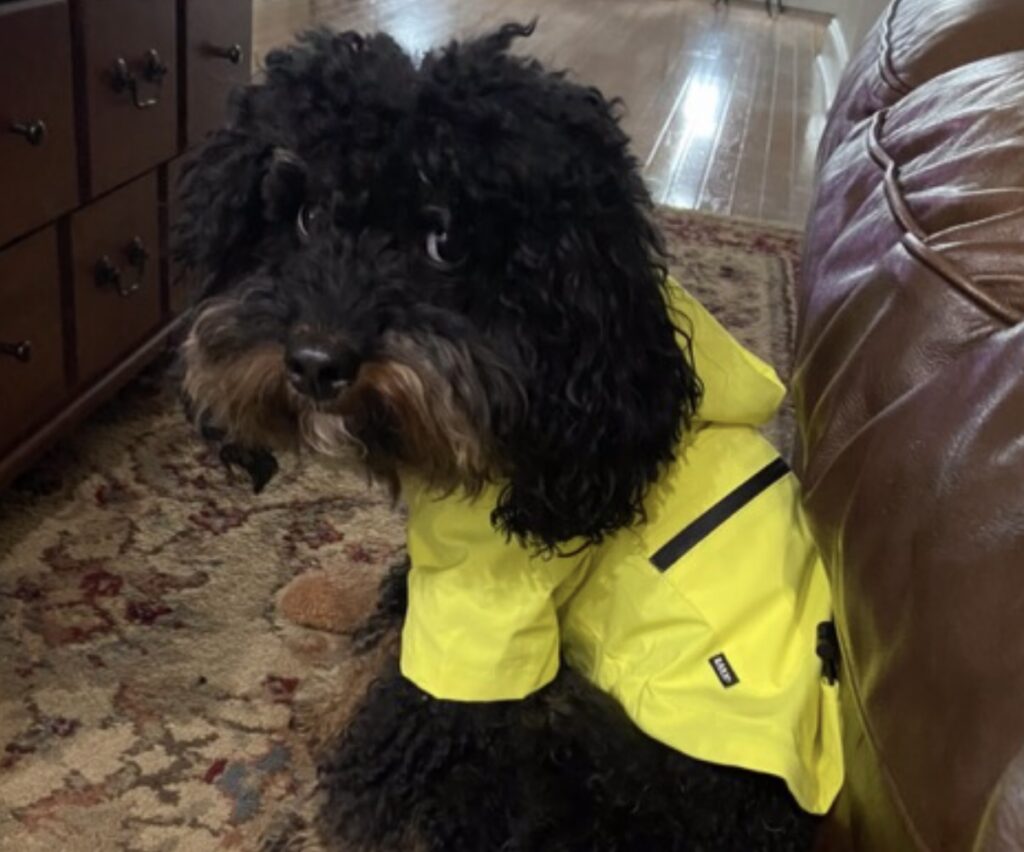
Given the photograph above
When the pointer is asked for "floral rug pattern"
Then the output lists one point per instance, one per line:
(147, 680)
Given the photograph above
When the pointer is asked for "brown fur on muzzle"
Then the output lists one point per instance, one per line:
(434, 435)
(409, 408)
(245, 393)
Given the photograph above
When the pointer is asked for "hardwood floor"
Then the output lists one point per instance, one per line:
(724, 104)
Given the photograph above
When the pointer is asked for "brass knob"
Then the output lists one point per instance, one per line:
(108, 274)
(232, 53)
(21, 351)
(33, 131)
(153, 71)
(137, 254)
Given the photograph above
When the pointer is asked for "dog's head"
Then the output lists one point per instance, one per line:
(450, 265)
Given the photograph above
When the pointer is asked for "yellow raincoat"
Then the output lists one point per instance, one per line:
(702, 622)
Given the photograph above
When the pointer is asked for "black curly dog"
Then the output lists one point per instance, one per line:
(452, 266)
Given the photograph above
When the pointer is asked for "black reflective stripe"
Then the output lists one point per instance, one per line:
(724, 509)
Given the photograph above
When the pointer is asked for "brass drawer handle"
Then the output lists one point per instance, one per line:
(232, 53)
(108, 274)
(153, 71)
(33, 131)
(21, 351)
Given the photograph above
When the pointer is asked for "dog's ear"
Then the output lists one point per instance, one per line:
(610, 375)
(232, 193)
(329, 91)
(221, 203)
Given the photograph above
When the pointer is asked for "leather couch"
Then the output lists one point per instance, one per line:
(909, 389)
(910, 44)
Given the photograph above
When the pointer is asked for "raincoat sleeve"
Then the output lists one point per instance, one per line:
(482, 623)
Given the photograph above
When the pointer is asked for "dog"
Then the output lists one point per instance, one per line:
(450, 266)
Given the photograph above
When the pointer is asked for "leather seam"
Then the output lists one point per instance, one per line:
(915, 238)
(886, 67)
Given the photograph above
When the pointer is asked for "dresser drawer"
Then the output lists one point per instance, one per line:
(218, 46)
(183, 286)
(37, 143)
(32, 380)
(116, 268)
(130, 81)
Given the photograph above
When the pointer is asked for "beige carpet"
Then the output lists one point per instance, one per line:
(147, 684)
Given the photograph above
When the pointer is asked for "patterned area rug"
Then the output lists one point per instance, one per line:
(147, 682)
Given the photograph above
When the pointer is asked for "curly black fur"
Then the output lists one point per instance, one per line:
(554, 292)
(564, 770)
(580, 296)
(473, 236)
(392, 603)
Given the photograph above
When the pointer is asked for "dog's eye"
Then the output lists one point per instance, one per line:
(304, 223)
(440, 250)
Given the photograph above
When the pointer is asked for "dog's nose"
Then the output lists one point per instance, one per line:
(320, 370)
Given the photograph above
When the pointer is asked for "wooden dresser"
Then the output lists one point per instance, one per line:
(99, 99)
